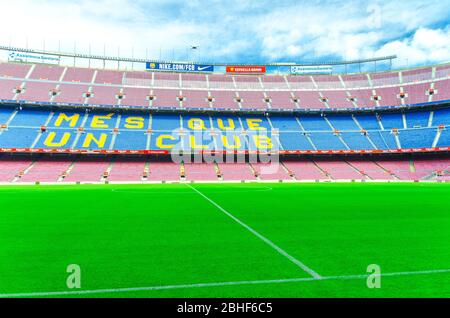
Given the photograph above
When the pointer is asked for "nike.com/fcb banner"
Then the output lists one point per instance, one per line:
(179, 67)
(254, 69)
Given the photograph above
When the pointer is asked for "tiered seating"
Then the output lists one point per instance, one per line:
(11, 166)
(427, 168)
(193, 81)
(305, 170)
(7, 88)
(399, 168)
(60, 129)
(417, 93)
(271, 171)
(37, 92)
(135, 96)
(443, 90)
(252, 100)
(417, 119)
(224, 99)
(338, 99)
(247, 82)
(166, 98)
(371, 169)
(46, 72)
(109, 77)
(327, 82)
(197, 99)
(220, 81)
(14, 70)
(355, 81)
(309, 99)
(339, 170)
(389, 96)
(417, 75)
(383, 79)
(281, 100)
(164, 171)
(236, 171)
(127, 170)
(200, 171)
(300, 82)
(51, 169)
(309, 92)
(104, 95)
(71, 94)
(274, 82)
(87, 170)
(81, 75)
(47, 170)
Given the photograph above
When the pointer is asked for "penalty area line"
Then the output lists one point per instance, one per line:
(305, 268)
(222, 284)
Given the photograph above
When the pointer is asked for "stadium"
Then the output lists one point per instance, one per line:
(186, 179)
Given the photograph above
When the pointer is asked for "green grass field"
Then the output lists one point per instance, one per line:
(211, 240)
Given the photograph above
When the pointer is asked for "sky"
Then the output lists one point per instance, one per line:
(234, 31)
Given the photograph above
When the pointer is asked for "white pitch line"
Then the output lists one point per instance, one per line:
(221, 284)
(261, 237)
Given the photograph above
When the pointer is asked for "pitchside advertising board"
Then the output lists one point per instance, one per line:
(32, 57)
(179, 67)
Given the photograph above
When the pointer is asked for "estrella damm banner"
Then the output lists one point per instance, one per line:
(254, 69)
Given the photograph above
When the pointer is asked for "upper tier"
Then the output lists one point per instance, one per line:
(31, 83)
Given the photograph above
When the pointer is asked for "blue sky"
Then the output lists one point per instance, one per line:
(235, 31)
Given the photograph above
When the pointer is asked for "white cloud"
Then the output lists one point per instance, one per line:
(234, 30)
(425, 46)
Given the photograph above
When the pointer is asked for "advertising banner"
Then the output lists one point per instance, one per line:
(311, 70)
(253, 69)
(33, 57)
(179, 67)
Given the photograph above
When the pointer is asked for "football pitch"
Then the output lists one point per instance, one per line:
(226, 240)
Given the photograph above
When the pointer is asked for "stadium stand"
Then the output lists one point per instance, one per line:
(169, 90)
(68, 124)
(57, 169)
(95, 130)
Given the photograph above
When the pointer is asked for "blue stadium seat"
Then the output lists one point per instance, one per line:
(368, 122)
(356, 141)
(417, 119)
(444, 139)
(343, 122)
(314, 123)
(248, 132)
(391, 121)
(441, 117)
(417, 138)
(327, 141)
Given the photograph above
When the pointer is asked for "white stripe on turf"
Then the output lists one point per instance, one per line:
(261, 237)
(220, 284)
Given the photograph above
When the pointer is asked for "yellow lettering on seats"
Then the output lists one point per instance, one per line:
(194, 144)
(99, 121)
(254, 124)
(263, 142)
(49, 141)
(161, 138)
(196, 124)
(230, 124)
(134, 122)
(237, 142)
(100, 142)
(72, 119)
